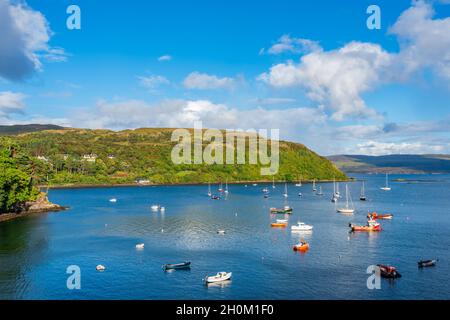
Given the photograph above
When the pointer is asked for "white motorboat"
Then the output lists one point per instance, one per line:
(301, 226)
(113, 200)
(220, 231)
(220, 276)
(162, 209)
(282, 221)
(155, 207)
(100, 268)
(140, 246)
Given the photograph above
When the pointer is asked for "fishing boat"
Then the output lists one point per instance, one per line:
(100, 268)
(371, 226)
(320, 193)
(378, 216)
(175, 266)
(301, 226)
(140, 246)
(302, 246)
(348, 209)
(427, 263)
(220, 276)
(388, 271)
(314, 189)
(362, 196)
(209, 190)
(386, 187)
(286, 209)
(285, 194)
(113, 200)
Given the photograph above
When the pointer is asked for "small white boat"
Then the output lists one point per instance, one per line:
(300, 194)
(220, 231)
(285, 194)
(265, 190)
(113, 200)
(140, 246)
(282, 221)
(301, 226)
(162, 209)
(255, 184)
(155, 207)
(100, 268)
(220, 276)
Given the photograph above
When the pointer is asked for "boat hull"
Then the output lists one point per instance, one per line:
(176, 266)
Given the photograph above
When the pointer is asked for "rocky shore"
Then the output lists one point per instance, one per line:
(41, 205)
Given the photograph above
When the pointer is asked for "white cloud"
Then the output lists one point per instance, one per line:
(293, 45)
(273, 100)
(335, 79)
(24, 40)
(153, 81)
(425, 42)
(11, 102)
(165, 58)
(183, 113)
(197, 80)
(384, 148)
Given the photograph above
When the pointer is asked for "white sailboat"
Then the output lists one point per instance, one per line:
(320, 193)
(226, 186)
(314, 185)
(338, 194)
(386, 187)
(349, 209)
(273, 182)
(299, 184)
(209, 190)
(362, 197)
(285, 194)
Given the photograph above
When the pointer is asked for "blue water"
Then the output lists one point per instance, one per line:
(35, 251)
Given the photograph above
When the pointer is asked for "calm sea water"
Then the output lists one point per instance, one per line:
(35, 251)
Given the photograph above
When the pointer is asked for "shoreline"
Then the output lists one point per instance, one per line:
(11, 216)
(113, 185)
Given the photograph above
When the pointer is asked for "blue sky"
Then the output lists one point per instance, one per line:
(235, 65)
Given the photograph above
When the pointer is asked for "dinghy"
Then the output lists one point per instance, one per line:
(113, 200)
(219, 277)
(302, 247)
(100, 268)
(375, 216)
(175, 266)
(427, 263)
(140, 246)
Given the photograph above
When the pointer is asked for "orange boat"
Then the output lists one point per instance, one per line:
(302, 247)
(375, 215)
(278, 224)
(368, 228)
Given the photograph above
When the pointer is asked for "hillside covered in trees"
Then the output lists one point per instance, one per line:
(79, 156)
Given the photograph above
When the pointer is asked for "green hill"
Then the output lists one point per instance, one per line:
(61, 156)
(18, 129)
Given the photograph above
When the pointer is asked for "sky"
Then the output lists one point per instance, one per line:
(312, 69)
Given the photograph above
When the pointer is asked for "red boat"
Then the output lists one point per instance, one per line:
(376, 216)
(388, 271)
(371, 226)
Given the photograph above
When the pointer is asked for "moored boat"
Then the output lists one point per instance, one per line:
(100, 268)
(278, 224)
(427, 263)
(301, 226)
(302, 246)
(286, 209)
(375, 216)
(220, 276)
(371, 226)
(388, 271)
(140, 246)
(174, 266)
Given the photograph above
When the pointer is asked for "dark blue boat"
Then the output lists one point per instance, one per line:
(183, 265)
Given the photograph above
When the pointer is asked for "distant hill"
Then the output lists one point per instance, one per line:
(400, 163)
(80, 156)
(18, 129)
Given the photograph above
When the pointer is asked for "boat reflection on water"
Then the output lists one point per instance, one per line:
(220, 285)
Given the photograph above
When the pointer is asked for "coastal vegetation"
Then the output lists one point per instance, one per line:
(101, 157)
